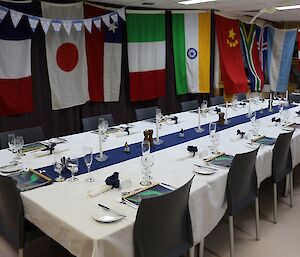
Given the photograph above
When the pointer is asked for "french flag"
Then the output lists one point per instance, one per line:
(15, 59)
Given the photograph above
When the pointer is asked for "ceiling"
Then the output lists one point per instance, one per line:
(240, 7)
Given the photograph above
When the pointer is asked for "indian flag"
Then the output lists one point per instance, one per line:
(191, 44)
(146, 55)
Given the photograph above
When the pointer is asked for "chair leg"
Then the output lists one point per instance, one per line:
(257, 219)
(192, 251)
(231, 236)
(275, 202)
(201, 248)
(291, 189)
(20, 252)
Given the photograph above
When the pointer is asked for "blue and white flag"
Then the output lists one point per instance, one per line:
(281, 44)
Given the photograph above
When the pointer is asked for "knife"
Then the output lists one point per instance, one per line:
(111, 210)
(206, 167)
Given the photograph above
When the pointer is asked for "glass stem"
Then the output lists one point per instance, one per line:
(100, 146)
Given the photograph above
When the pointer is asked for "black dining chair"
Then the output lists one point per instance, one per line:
(30, 135)
(282, 167)
(145, 113)
(13, 226)
(241, 96)
(294, 98)
(189, 105)
(216, 100)
(242, 190)
(91, 123)
(163, 226)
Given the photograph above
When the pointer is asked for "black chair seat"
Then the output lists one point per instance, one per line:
(216, 100)
(189, 105)
(145, 113)
(91, 123)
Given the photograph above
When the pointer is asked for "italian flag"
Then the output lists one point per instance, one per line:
(191, 44)
(146, 36)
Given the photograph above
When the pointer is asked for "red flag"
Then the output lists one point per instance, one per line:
(232, 67)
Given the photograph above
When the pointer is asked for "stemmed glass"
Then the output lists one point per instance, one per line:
(58, 167)
(157, 140)
(11, 141)
(72, 165)
(234, 101)
(88, 159)
(102, 128)
(204, 108)
(19, 143)
(147, 162)
(214, 137)
(255, 124)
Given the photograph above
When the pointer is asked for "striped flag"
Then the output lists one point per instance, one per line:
(191, 44)
(15, 59)
(254, 71)
(262, 46)
(146, 55)
(281, 44)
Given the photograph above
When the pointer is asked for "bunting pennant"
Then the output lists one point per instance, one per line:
(254, 71)
(45, 24)
(232, 67)
(97, 23)
(78, 25)
(191, 44)
(15, 17)
(33, 22)
(114, 17)
(146, 55)
(88, 24)
(106, 20)
(67, 25)
(122, 14)
(104, 55)
(3, 12)
(56, 24)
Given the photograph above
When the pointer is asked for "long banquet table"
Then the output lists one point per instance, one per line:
(64, 211)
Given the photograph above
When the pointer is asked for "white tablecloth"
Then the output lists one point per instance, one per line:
(64, 212)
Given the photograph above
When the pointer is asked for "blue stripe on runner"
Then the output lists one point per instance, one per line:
(117, 155)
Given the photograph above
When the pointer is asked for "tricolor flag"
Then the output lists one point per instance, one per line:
(66, 58)
(254, 71)
(281, 44)
(146, 55)
(104, 55)
(191, 44)
(232, 67)
(15, 59)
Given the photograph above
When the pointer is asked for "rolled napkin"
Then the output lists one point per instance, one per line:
(43, 153)
(50, 147)
(111, 182)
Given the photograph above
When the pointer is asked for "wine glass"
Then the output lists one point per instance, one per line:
(58, 167)
(157, 140)
(19, 144)
(88, 159)
(215, 140)
(72, 165)
(204, 108)
(212, 127)
(145, 147)
(11, 145)
(234, 101)
(147, 162)
(102, 128)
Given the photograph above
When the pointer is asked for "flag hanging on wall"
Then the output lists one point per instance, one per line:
(281, 44)
(232, 67)
(262, 47)
(254, 72)
(15, 59)
(146, 55)
(104, 55)
(191, 46)
(66, 58)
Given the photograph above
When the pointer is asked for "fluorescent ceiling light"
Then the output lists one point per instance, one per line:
(288, 7)
(195, 1)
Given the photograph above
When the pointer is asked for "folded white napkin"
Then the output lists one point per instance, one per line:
(98, 191)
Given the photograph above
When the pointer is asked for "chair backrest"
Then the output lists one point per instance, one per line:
(294, 98)
(91, 123)
(145, 113)
(30, 135)
(282, 157)
(11, 213)
(241, 96)
(163, 227)
(241, 182)
(216, 100)
(189, 105)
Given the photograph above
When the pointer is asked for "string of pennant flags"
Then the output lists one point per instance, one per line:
(57, 24)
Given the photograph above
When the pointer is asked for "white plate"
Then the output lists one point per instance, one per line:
(204, 171)
(10, 168)
(106, 216)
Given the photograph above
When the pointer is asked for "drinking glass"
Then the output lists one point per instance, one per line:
(102, 128)
(204, 108)
(88, 159)
(215, 140)
(58, 167)
(72, 165)
(234, 101)
(145, 147)
(212, 127)
(11, 141)
(147, 162)
(19, 144)
(157, 140)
